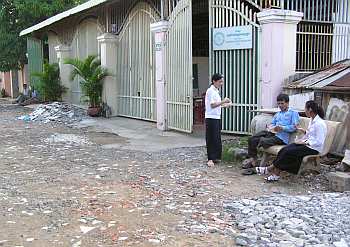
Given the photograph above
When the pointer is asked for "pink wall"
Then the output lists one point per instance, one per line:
(7, 83)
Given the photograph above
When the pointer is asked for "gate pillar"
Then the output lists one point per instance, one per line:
(278, 51)
(64, 52)
(159, 30)
(108, 44)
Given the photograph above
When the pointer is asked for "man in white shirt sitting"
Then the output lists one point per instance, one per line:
(24, 96)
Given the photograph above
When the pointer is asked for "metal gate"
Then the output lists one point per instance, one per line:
(240, 67)
(135, 70)
(35, 58)
(178, 49)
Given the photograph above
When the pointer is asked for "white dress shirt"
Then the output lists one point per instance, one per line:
(212, 96)
(316, 134)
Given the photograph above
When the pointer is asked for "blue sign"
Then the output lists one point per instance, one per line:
(233, 38)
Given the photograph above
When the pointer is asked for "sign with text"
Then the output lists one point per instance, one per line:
(233, 38)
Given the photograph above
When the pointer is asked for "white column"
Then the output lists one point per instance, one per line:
(159, 30)
(108, 47)
(278, 51)
(64, 52)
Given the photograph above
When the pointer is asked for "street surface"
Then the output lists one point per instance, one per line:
(62, 186)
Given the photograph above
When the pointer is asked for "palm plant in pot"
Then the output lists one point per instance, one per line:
(91, 74)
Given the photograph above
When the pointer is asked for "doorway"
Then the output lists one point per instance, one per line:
(200, 51)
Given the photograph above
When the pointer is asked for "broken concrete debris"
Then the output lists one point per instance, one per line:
(55, 112)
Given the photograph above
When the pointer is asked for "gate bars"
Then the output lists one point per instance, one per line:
(241, 68)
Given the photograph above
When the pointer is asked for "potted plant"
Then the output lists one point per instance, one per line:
(92, 74)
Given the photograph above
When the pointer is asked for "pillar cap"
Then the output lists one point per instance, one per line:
(107, 38)
(63, 48)
(161, 26)
(279, 16)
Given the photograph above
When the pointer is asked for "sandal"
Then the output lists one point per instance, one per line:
(272, 178)
(260, 170)
(250, 171)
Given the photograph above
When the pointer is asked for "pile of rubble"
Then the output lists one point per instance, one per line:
(56, 112)
(284, 220)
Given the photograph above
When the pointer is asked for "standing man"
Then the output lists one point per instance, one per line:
(277, 133)
(213, 104)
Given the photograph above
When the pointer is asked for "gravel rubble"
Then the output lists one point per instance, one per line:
(56, 111)
(284, 220)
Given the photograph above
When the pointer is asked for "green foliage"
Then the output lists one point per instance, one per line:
(3, 93)
(227, 155)
(17, 15)
(92, 74)
(49, 85)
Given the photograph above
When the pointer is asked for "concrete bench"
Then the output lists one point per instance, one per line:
(310, 162)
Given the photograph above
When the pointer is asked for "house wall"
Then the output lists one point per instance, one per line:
(203, 75)
(14, 91)
(53, 42)
(84, 44)
(23, 77)
(7, 83)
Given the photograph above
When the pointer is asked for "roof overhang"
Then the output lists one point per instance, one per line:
(85, 6)
(322, 78)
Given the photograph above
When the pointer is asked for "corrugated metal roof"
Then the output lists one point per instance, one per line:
(331, 79)
(323, 77)
(88, 5)
(342, 82)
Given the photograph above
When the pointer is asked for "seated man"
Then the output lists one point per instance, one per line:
(283, 123)
(32, 100)
(24, 96)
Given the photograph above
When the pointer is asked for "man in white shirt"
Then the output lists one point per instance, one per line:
(213, 104)
(24, 96)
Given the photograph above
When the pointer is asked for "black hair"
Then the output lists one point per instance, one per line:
(283, 97)
(314, 107)
(216, 77)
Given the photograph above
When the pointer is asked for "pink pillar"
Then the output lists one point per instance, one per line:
(278, 51)
(159, 30)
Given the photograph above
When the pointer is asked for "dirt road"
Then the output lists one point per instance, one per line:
(59, 187)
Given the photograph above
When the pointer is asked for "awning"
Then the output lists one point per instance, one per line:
(325, 77)
(85, 6)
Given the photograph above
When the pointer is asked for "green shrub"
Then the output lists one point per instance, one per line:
(92, 75)
(3, 93)
(49, 85)
(241, 142)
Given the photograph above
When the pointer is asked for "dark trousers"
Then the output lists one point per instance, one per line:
(290, 157)
(263, 139)
(213, 138)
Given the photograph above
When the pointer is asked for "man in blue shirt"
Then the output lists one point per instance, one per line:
(277, 133)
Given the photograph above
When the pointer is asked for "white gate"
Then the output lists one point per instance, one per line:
(135, 73)
(178, 48)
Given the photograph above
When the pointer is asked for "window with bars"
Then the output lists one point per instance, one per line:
(314, 46)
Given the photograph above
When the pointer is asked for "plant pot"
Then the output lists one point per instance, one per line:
(94, 111)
